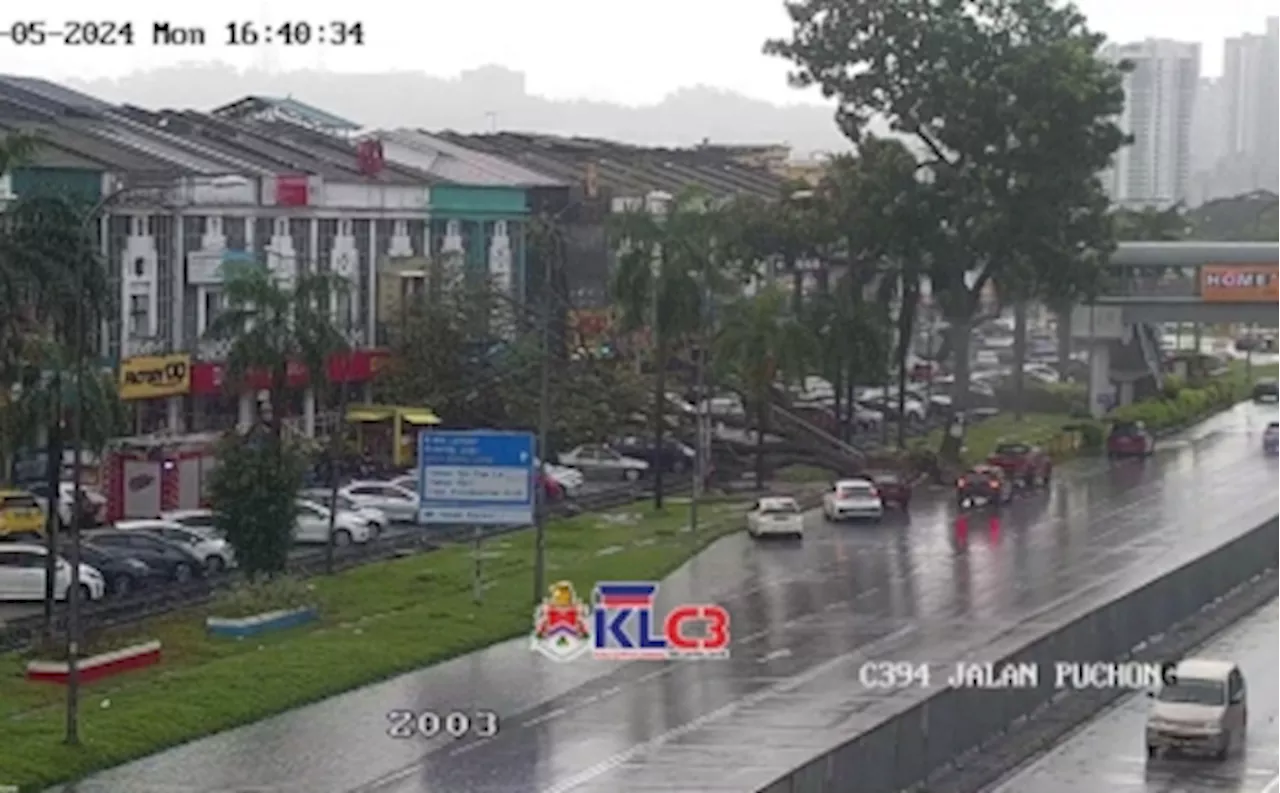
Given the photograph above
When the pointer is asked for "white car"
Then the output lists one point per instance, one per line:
(399, 504)
(312, 526)
(775, 517)
(324, 497)
(603, 462)
(853, 498)
(95, 503)
(679, 404)
(22, 575)
(724, 406)
(866, 418)
(214, 551)
(192, 519)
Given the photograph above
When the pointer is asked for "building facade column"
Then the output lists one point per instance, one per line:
(1101, 391)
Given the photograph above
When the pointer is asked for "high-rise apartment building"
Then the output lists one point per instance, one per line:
(1251, 109)
(1160, 96)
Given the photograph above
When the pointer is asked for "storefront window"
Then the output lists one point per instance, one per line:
(150, 416)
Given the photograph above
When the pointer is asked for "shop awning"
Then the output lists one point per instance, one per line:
(419, 417)
(366, 415)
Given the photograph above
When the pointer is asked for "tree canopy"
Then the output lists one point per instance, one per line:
(1012, 114)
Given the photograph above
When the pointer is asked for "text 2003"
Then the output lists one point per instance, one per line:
(429, 724)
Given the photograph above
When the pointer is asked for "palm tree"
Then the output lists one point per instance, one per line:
(761, 342)
(52, 284)
(270, 324)
(667, 251)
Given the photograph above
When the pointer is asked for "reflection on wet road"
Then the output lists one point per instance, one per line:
(804, 616)
(1109, 754)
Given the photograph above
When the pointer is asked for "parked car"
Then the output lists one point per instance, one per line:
(93, 508)
(22, 575)
(602, 462)
(177, 563)
(1027, 465)
(20, 516)
(397, 503)
(866, 418)
(192, 519)
(912, 408)
(725, 406)
(674, 456)
(989, 484)
(312, 526)
(570, 480)
(773, 517)
(215, 552)
(894, 488)
(324, 497)
(124, 574)
(1130, 439)
(852, 498)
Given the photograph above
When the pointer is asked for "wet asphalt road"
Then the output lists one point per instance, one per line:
(805, 616)
(1109, 753)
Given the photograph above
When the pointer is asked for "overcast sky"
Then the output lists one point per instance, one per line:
(596, 49)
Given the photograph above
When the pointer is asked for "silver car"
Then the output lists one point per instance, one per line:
(398, 504)
(603, 462)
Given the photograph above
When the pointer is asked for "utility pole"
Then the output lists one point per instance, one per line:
(544, 429)
(53, 478)
(701, 445)
(73, 590)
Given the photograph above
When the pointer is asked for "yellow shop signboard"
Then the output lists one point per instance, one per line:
(153, 376)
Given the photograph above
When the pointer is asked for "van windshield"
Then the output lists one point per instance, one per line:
(1189, 691)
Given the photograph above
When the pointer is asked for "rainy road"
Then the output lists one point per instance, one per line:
(804, 617)
(1109, 753)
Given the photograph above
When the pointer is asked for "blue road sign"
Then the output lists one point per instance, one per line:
(476, 477)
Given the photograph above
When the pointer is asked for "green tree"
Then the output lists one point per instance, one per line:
(1150, 224)
(1017, 114)
(53, 298)
(1250, 217)
(664, 251)
(269, 324)
(761, 343)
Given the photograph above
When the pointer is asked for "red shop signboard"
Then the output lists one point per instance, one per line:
(359, 366)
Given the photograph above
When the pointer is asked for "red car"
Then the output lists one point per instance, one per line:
(1025, 465)
(895, 489)
(1130, 439)
(552, 490)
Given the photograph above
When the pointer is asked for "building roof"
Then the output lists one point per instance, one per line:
(274, 146)
(461, 165)
(288, 107)
(627, 169)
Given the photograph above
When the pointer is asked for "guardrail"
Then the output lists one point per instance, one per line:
(949, 729)
(111, 612)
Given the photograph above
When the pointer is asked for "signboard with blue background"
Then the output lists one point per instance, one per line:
(476, 477)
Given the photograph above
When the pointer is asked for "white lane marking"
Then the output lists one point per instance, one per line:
(469, 747)
(1272, 786)
(790, 684)
(548, 716)
(774, 656)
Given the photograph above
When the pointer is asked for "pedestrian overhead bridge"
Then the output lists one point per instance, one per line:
(1208, 282)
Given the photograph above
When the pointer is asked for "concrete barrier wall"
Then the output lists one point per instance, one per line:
(930, 737)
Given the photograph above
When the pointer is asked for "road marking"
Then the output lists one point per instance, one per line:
(790, 684)
(548, 716)
(469, 747)
(1272, 786)
(775, 655)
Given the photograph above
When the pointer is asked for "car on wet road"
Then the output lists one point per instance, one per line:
(1026, 464)
(1271, 438)
(985, 484)
(1266, 391)
(1202, 711)
(853, 499)
(776, 517)
(894, 487)
(1130, 439)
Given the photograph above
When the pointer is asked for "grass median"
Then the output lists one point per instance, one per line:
(377, 621)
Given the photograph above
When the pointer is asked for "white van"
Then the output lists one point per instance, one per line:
(1202, 710)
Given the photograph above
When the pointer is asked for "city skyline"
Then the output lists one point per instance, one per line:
(570, 51)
